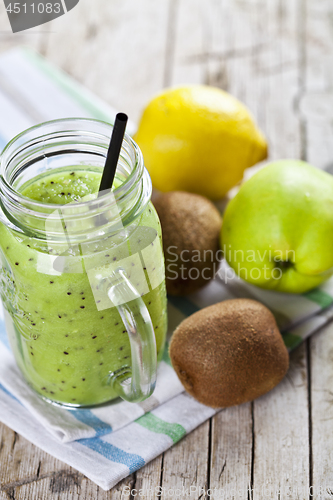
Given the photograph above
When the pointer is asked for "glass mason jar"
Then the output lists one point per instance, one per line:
(82, 282)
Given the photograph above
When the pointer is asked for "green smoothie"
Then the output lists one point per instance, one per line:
(63, 344)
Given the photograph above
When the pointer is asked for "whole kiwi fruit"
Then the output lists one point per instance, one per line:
(229, 353)
(190, 227)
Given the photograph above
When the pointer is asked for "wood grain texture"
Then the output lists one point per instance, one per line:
(148, 479)
(316, 100)
(231, 451)
(281, 452)
(185, 466)
(27, 472)
(316, 107)
(321, 418)
(116, 48)
(66, 485)
(249, 49)
(281, 438)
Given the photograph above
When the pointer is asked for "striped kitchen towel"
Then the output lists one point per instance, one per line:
(108, 443)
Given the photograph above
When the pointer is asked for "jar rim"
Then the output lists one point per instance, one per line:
(34, 203)
(61, 137)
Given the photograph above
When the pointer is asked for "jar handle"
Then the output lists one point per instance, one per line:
(137, 382)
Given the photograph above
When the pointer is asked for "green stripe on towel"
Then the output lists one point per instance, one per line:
(184, 305)
(155, 424)
(73, 89)
(291, 340)
(319, 297)
(166, 356)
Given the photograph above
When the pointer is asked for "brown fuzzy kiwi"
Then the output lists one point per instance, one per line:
(229, 353)
(190, 223)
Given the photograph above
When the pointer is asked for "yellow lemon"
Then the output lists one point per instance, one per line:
(198, 139)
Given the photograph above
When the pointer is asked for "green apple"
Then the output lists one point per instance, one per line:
(277, 232)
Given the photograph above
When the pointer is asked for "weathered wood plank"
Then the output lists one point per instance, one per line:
(23, 465)
(28, 472)
(185, 466)
(148, 479)
(70, 485)
(251, 50)
(115, 48)
(317, 113)
(231, 452)
(321, 360)
(19, 459)
(281, 437)
(316, 100)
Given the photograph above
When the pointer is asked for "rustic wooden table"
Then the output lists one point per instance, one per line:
(277, 57)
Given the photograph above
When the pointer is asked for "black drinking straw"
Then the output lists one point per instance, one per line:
(112, 158)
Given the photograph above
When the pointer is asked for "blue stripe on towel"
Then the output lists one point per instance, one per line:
(9, 393)
(111, 452)
(184, 305)
(3, 334)
(87, 417)
(3, 143)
